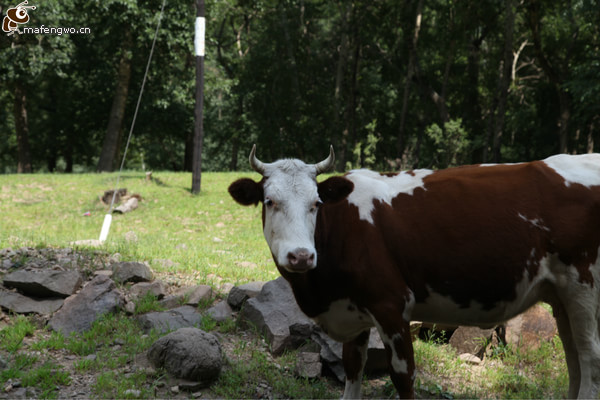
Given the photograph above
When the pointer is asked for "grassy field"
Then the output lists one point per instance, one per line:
(207, 236)
(206, 239)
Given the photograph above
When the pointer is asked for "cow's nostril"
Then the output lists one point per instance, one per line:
(301, 258)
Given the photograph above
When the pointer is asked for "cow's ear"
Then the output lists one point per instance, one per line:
(335, 189)
(246, 192)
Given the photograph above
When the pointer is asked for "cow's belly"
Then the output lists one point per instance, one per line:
(343, 321)
(443, 310)
(438, 308)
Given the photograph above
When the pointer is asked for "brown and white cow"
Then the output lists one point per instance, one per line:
(473, 245)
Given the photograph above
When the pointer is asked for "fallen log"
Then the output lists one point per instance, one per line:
(130, 205)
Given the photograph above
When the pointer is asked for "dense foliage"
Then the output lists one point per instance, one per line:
(391, 84)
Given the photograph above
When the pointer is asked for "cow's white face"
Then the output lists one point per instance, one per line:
(291, 201)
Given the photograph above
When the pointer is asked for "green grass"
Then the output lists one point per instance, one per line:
(207, 236)
(12, 339)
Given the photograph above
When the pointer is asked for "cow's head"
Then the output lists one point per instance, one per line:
(291, 200)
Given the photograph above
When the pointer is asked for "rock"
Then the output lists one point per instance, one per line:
(331, 353)
(165, 321)
(80, 311)
(274, 313)
(129, 307)
(188, 353)
(376, 354)
(308, 365)
(530, 329)
(190, 295)
(220, 312)
(239, 294)
(124, 272)
(105, 272)
(471, 339)
(133, 393)
(197, 294)
(20, 304)
(156, 288)
(170, 302)
(225, 287)
(45, 283)
(3, 363)
(470, 358)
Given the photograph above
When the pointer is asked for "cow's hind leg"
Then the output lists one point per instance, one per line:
(582, 304)
(571, 355)
(354, 357)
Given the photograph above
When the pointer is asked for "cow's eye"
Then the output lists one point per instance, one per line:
(269, 203)
(316, 206)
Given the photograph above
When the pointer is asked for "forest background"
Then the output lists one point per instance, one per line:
(391, 84)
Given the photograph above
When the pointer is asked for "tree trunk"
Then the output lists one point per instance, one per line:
(344, 10)
(505, 80)
(349, 138)
(22, 127)
(554, 74)
(410, 71)
(563, 119)
(110, 146)
(472, 117)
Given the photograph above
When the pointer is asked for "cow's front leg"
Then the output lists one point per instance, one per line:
(354, 357)
(398, 345)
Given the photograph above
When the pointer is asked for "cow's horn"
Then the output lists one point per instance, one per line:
(255, 163)
(327, 164)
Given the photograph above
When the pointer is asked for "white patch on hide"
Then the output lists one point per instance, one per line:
(535, 222)
(583, 169)
(370, 186)
(343, 321)
(400, 366)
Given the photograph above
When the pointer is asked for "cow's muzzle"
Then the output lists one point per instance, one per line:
(301, 260)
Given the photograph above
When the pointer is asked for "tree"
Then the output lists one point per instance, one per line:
(112, 139)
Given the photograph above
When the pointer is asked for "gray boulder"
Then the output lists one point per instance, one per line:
(197, 294)
(274, 313)
(156, 288)
(530, 329)
(44, 283)
(308, 365)
(331, 353)
(165, 321)
(20, 304)
(188, 353)
(471, 339)
(239, 294)
(80, 311)
(220, 312)
(189, 295)
(124, 272)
